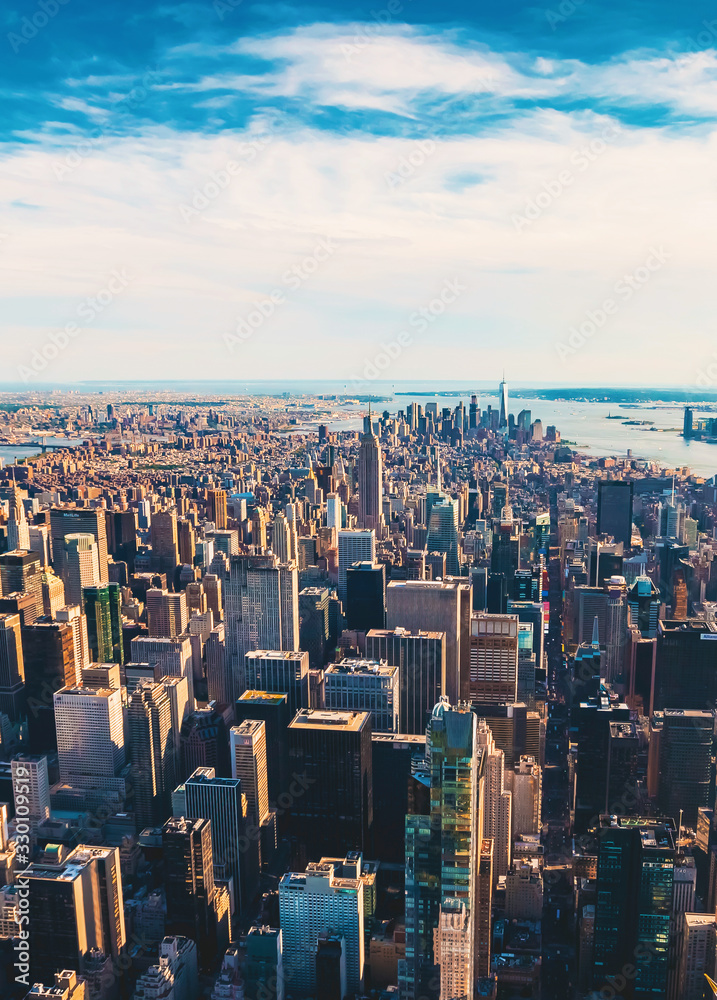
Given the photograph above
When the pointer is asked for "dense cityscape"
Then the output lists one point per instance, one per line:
(419, 711)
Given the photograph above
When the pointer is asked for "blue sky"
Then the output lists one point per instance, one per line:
(232, 189)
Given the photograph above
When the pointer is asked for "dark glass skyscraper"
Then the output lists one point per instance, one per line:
(614, 509)
(104, 622)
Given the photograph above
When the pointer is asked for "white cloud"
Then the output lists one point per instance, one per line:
(403, 222)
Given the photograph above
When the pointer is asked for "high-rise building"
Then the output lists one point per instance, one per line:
(505, 550)
(49, 657)
(421, 661)
(441, 606)
(614, 509)
(21, 573)
(370, 483)
(503, 404)
(217, 507)
(686, 664)
(75, 908)
(635, 870)
(355, 545)
(685, 763)
(314, 624)
(498, 802)
(18, 533)
(173, 656)
(90, 732)
(264, 966)
(30, 780)
(443, 533)
(189, 883)
(493, 658)
(273, 711)
(526, 786)
(167, 614)
(697, 954)
(365, 606)
(103, 612)
(331, 751)
(204, 741)
(73, 615)
(594, 717)
(53, 593)
(82, 568)
(219, 680)
(235, 855)
(281, 673)
(12, 668)
(165, 540)
(442, 859)
(643, 601)
(78, 520)
(365, 686)
(149, 719)
(261, 609)
(484, 910)
(248, 755)
(310, 903)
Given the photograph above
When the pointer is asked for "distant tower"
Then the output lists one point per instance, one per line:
(18, 532)
(503, 394)
(370, 477)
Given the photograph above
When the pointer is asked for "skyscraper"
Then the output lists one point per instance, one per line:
(421, 661)
(614, 509)
(503, 404)
(78, 520)
(365, 686)
(189, 883)
(685, 763)
(370, 482)
(165, 540)
(354, 546)
(90, 732)
(21, 573)
(314, 624)
(12, 668)
(498, 802)
(331, 751)
(75, 906)
(18, 532)
(261, 609)
(218, 507)
(153, 752)
(635, 872)
(441, 606)
(82, 567)
(75, 617)
(167, 614)
(280, 673)
(493, 658)
(104, 622)
(365, 606)
(442, 855)
(234, 854)
(273, 711)
(443, 533)
(322, 897)
(643, 601)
